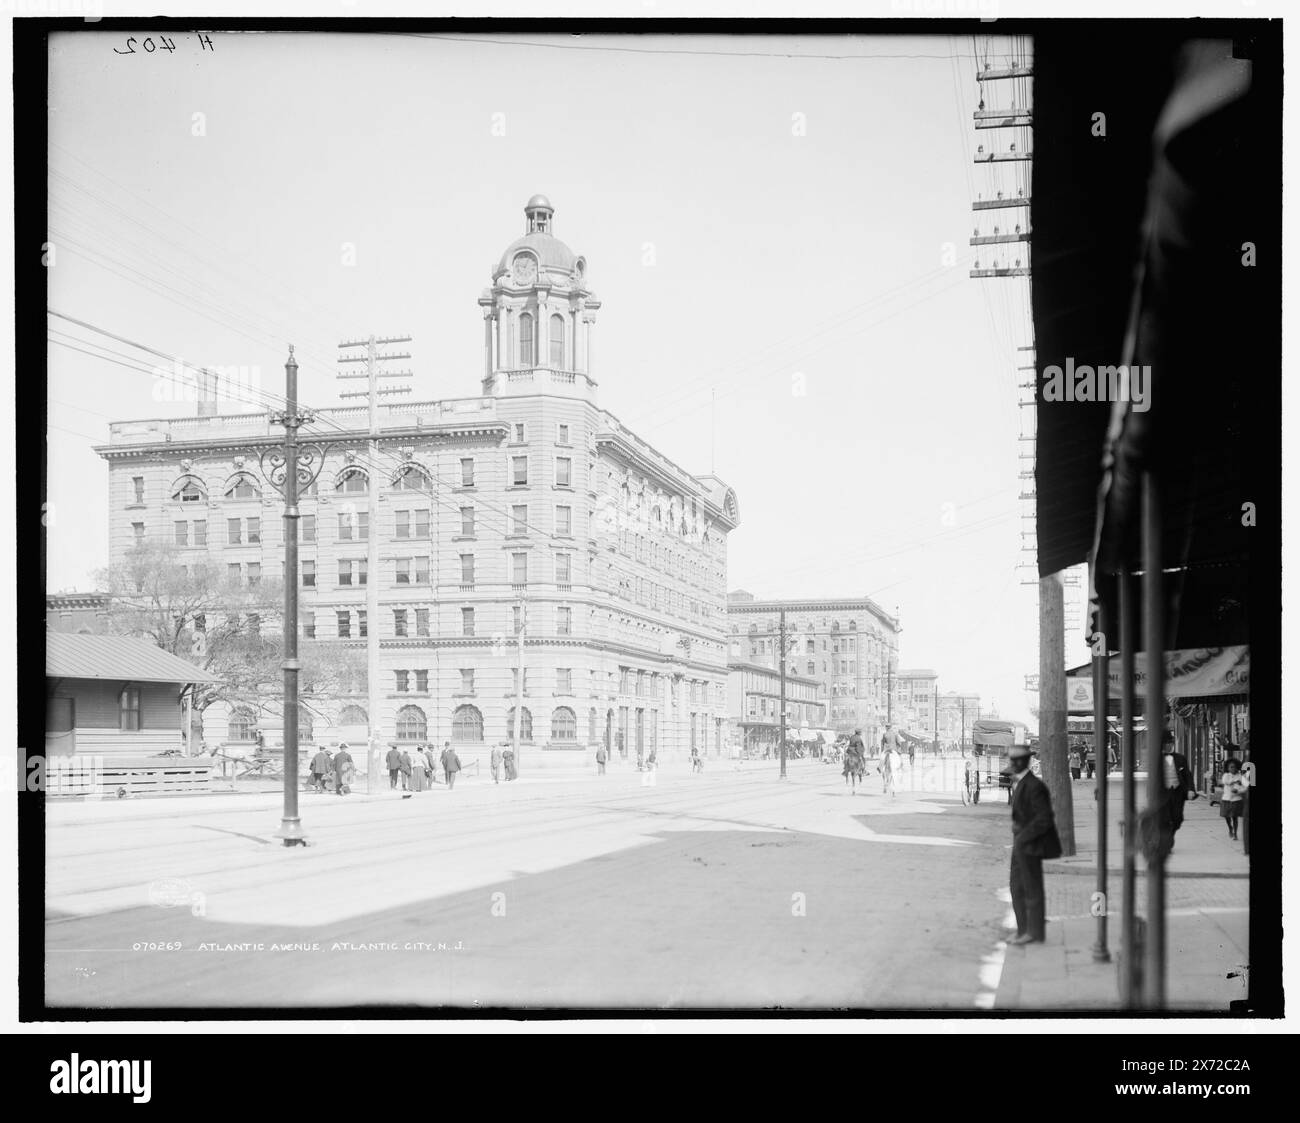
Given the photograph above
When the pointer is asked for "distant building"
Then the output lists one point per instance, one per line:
(86, 613)
(915, 702)
(754, 703)
(955, 711)
(847, 645)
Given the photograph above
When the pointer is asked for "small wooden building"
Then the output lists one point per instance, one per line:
(117, 709)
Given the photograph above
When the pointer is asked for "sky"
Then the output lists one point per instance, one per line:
(780, 245)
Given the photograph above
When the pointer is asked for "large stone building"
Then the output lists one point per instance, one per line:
(848, 645)
(526, 506)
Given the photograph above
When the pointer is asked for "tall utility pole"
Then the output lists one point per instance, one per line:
(781, 649)
(372, 393)
(286, 467)
(963, 725)
(521, 672)
(1053, 744)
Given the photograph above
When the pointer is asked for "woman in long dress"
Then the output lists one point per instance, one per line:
(419, 772)
(508, 759)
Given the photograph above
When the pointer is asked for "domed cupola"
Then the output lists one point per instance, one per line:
(538, 314)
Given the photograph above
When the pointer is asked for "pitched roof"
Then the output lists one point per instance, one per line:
(124, 658)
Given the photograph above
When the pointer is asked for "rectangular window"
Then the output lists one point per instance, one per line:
(467, 569)
(182, 534)
(309, 574)
(517, 616)
(623, 673)
(129, 709)
(201, 532)
(232, 572)
(421, 571)
(519, 432)
(422, 682)
(345, 573)
(309, 528)
(421, 621)
(254, 531)
(466, 681)
(309, 628)
(345, 526)
(403, 681)
(399, 621)
(564, 680)
(564, 521)
(519, 470)
(361, 571)
(466, 621)
(345, 625)
(562, 434)
(563, 621)
(467, 471)
(563, 471)
(519, 568)
(467, 521)
(403, 571)
(519, 518)
(403, 523)
(254, 573)
(138, 483)
(421, 528)
(361, 624)
(363, 525)
(232, 532)
(563, 569)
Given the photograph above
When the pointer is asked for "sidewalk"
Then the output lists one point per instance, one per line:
(1206, 908)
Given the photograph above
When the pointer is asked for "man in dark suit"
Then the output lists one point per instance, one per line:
(1033, 838)
(1178, 789)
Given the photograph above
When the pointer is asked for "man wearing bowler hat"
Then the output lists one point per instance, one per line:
(1033, 838)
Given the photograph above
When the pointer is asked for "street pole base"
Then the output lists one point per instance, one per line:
(291, 832)
(1100, 954)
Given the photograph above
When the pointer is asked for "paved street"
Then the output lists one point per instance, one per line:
(729, 888)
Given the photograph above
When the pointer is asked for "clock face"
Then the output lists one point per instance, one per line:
(525, 270)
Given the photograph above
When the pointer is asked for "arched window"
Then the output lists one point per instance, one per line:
(527, 348)
(352, 480)
(557, 341)
(564, 724)
(466, 724)
(242, 486)
(241, 725)
(853, 625)
(188, 490)
(525, 725)
(353, 715)
(412, 478)
(128, 709)
(411, 724)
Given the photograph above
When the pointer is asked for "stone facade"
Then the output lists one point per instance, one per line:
(527, 502)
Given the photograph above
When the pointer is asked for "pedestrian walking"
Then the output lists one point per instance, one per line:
(1076, 764)
(321, 766)
(508, 761)
(418, 777)
(394, 762)
(495, 762)
(600, 761)
(404, 767)
(1033, 838)
(1233, 796)
(697, 765)
(450, 764)
(640, 758)
(343, 770)
(1178, 789)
